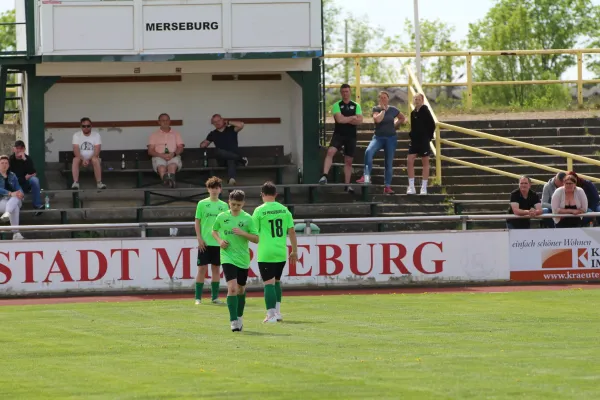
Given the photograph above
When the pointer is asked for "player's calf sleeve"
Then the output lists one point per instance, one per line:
(278, 291)
(214, 290)
(241, 304)
(199, 287)
(270, 297)
(232, 304)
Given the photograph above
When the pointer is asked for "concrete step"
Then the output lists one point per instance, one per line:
(541, 159)
(459, 170)
(482, 196)
(582, 149)
(467, 187)
(545, 141)
(483, 178)
(484, 207)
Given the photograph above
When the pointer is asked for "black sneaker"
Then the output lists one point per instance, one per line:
(37, 214)
(349, 190)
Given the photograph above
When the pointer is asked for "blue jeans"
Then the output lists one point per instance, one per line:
(388, 144)
(586, 221)
(33, 186)
(547, 222)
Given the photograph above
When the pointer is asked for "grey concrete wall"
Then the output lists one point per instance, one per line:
(8, 134)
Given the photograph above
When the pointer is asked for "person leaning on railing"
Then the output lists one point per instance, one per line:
(549, 189)
(591, 193)
(569, 199)
(524, 202)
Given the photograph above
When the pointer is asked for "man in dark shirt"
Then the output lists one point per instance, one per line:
(22, 166)
(523, 202)
(225, 138)
(422, 127)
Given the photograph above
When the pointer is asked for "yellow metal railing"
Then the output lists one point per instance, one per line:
(414, 87)
(469, 83)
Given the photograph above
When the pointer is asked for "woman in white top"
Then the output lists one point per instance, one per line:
(569, 199)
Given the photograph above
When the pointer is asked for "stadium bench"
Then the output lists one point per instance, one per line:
(139, 163)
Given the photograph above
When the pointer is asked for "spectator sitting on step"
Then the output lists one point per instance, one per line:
(524, 202)
(165, 147)
(22, 166)
(549, 189)
(569, 199)
(591, 193)
(11, 196)
(225, 138)
(86, 151)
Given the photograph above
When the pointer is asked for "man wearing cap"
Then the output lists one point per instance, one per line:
(22, 166)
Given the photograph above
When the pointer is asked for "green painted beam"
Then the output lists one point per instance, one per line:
(309, 82)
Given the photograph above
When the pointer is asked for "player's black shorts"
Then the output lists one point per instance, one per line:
(270, 270)
(210, 255)
(345, 142)
(420, 148)
(232, 272)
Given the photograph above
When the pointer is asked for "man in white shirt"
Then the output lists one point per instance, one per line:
(86, 151)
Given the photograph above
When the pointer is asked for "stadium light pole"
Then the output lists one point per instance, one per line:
(418, 41)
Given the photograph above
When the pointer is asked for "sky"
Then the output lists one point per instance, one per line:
(390, 14)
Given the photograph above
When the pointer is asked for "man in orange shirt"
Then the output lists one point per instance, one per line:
(165, 147)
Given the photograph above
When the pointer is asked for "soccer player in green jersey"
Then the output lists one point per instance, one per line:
(274, 223)
(208, 248)
(232, 230)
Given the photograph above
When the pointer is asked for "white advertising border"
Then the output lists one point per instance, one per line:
(324, 260)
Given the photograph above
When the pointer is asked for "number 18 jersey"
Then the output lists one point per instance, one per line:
(272, 220)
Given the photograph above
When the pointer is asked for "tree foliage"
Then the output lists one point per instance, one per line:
(8, 35)
(526, 25)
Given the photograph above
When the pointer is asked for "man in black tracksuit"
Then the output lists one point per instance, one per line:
(422, 127)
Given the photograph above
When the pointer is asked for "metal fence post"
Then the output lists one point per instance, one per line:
(580, 78)
(469, 82)
(357, 78)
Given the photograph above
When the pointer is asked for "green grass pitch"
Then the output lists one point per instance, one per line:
(520, 345)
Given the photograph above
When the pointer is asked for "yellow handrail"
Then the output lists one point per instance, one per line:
(413, 82)
(469, 84)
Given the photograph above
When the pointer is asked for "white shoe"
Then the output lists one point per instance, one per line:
(278, 317)
(367, 179)
(411, 190)
(75, 186)
(101, 185)
(216, 301)
(18, 236)
(323, 180)
(234, 326)
(5, 217)
(240, 322)
(423, 191)
(270, 319)
(198, 302)
(232, 182)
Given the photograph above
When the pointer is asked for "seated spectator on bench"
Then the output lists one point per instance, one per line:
(225, 138)
(22, 166)
(524, 202)
(86, 151)
(165, 147)
(549, 189)
(11, 196)
(569, 199)
(591, 193)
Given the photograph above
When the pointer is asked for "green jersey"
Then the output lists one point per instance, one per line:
(207, 212)
(238, 252)
(272, 220)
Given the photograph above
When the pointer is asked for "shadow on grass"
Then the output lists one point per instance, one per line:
(288, 322)
(255, 333)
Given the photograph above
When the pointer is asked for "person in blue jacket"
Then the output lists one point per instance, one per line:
(11, 196)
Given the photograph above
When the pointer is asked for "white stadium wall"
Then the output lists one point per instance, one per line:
(194, 100)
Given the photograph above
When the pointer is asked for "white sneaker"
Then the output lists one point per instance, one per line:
(232, 182)
(367, 179)
(216, 301)
(234, 326)
(411, 190)
(198, 302)
(101, 185)
(5, 217)
(240, 322)
(278, 317)
(75, 186)
(270, 319)
(423, 191)
(323, 180)
(18, 236)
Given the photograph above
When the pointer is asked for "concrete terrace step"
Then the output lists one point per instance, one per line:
(550, 141)
(451, 169)
(583, 149)
(547, 159)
